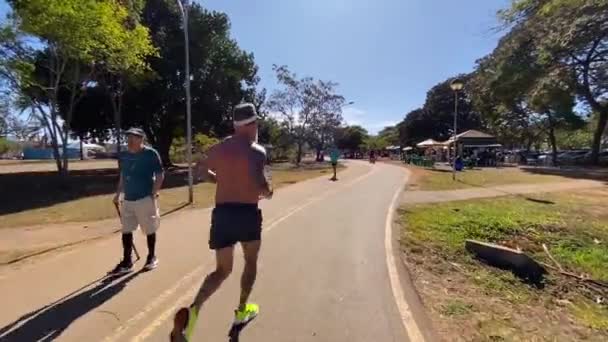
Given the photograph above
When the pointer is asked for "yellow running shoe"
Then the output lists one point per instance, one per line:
(246, 315)
(183, 324)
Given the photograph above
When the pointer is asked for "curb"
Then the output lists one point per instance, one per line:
(408, 288)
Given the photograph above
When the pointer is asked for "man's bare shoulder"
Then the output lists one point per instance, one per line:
(258, 150)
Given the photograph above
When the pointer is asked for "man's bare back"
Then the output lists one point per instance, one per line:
(239, 171)
(237, 166)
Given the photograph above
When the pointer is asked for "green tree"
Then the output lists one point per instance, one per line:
(76, 35)
(435, 119)
(390, 134)
(4, 146)
(519, 96)
(375, 143)
(555, 101)
(305, 105)
(570, 35)
(276, 133)
(222, 76)
(351, 138)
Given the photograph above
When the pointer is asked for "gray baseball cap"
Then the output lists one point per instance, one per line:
(136, 131)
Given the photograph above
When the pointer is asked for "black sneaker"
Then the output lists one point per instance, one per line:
(123, 267)
(151, 263)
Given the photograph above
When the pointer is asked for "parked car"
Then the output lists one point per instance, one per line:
(529, 158)
(573, 157)
(603, 157)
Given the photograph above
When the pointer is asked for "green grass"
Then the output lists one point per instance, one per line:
(575, 228)
(456, 307)
(518, 222)
(99, 207)
(593, 315)
(441, 180)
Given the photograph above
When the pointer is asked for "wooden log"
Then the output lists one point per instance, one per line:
(507, 258)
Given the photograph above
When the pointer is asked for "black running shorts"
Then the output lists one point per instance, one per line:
(234, 222)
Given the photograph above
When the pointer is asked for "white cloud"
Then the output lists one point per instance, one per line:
(354, 116)
(357, 116)
(381, 124)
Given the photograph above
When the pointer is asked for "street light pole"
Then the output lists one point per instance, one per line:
(456, 86)
(184, 12)
(455, 133)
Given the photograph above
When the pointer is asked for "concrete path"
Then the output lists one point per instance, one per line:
(327, 273)
(414, 197)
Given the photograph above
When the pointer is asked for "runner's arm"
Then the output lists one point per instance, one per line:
(159, 174)
(203, 172)
(259, 176)
(121, 183)
(119, 189)
(204, 167)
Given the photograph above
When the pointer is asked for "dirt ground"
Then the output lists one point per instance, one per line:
(470, 301)
(462, 310)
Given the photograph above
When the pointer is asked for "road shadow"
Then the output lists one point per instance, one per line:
(540, 201)
(50, 321)
(438, 170)
(597, 174)
(176, 209)
(507, 193)
(32, 190)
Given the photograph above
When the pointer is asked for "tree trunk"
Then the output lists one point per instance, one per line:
(81, 149)
(319, 159)
(163, 146)
(553, 143)
(56, 154)
(552, 139)
(597, 136)
(118, 135)
(299, 153)
(64, 166)
(116, 100)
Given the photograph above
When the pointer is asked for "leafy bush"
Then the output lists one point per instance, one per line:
(201, 144)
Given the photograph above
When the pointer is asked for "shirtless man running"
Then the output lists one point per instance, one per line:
(237, 165)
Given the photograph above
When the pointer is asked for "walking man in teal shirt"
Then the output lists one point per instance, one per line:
(334, 155)
(141, 177)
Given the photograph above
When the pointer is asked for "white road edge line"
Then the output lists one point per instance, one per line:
(159, 320)
(411, 327)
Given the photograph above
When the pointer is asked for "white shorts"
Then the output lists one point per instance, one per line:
(144, 213)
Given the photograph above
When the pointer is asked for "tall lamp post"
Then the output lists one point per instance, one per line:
(456, 86)
(183, 8)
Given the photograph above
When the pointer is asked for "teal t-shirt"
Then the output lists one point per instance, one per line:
(334, 155)
(138, 172)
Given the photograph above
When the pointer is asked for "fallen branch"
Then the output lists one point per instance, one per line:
(559, 266)
(577, 276)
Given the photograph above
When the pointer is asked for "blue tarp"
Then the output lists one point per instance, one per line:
(47, 153)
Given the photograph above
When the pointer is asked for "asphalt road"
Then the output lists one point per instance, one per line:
(326, 274)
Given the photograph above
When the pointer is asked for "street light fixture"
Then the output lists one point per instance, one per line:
(183, 8)
(456, 86)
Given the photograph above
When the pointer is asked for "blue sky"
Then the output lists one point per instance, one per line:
(385, 54)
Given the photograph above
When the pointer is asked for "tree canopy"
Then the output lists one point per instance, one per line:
(311, 109)
(435, 119)
(566, 43)
(351, 138)
(76, 35)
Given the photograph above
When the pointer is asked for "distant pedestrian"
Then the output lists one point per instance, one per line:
(141, 177)
(334, 155)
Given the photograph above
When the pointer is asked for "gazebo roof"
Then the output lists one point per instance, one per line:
(474, 134)
(428, 143)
